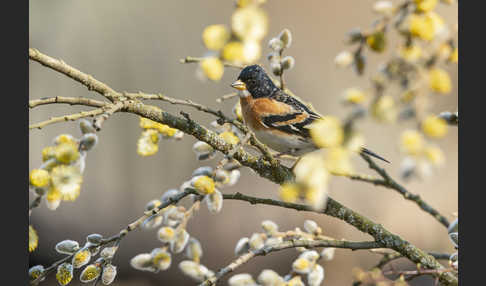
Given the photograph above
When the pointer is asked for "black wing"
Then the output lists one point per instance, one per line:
(299, 109)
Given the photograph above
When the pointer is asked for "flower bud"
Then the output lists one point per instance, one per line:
(286, 37)
(194, 250)
(274, 240)
(203, 171)
(109, 274)
(88, 141)
(242, 246)
(180, 241)
(315, 277)
(35, 272)
(295, 281)
(81, 258)
(327, 253)
(203, 184)
(167, 195)
(269, 277)
(276, 68)
(94, 238)
(311, 227)
(276, 44)
(142, 262)
(288, 62)
(310, 255)
(301, 266)
(234, 177)
(229, 137)
(256, 241)
(269, 227)
(343, 59)
(383, 7)
(65, 138)
(33, 239)
(39, 178)
(161, 258)
(166, 234)
(203, 150)
(67, 246)
(196, 271)
(90, 273)
(86, 126)
(64, 273)
(242, 279)
(108, 252)
(215, 202)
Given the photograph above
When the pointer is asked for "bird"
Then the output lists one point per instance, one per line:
(279, 120)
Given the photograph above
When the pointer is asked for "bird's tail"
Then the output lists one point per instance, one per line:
(372, 154)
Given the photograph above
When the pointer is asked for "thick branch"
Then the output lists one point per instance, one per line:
(275, 172)
(285, 245)
(85, 79)
(253, 140)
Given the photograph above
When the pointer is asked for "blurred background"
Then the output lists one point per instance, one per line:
(136, 46)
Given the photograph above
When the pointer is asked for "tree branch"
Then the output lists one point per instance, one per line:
(285, 245)
(75, 116)
(68, 100)
(188, 60)
(85, 79)
(388, 182)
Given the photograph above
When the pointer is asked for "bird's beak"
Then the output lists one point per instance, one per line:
(239, 85)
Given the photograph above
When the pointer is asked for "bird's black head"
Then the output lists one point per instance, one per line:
(254, 79)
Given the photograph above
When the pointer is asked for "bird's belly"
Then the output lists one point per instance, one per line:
(284, 144)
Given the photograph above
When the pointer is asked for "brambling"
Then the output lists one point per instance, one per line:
(278, 119)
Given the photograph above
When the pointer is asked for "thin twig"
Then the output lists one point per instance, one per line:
(226, 97)
(68, 100)
(72, 117)
(392, 184)
(109, 110)
(188, 60)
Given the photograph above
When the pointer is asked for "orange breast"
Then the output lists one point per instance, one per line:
(249, 114)
(254, 109)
